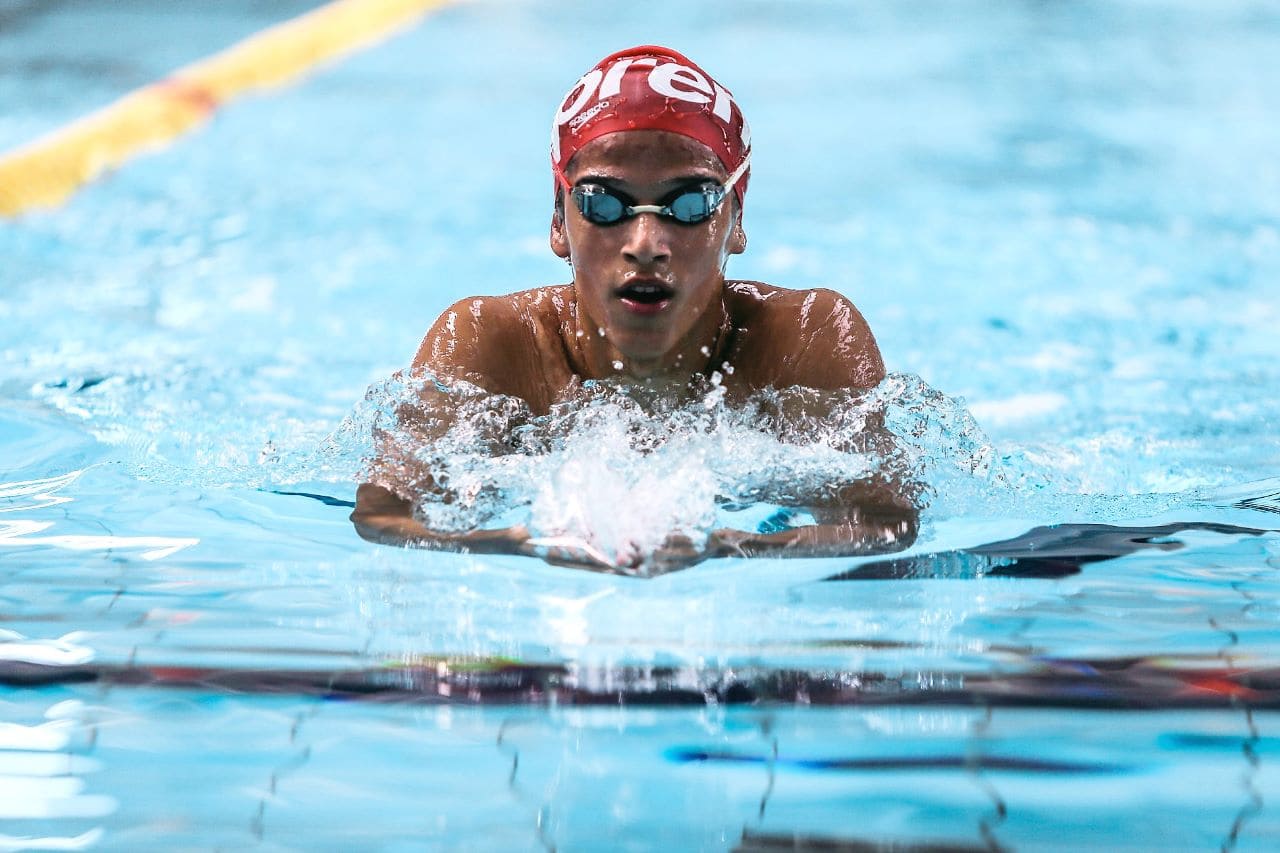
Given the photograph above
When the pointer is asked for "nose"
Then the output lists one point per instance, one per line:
(646, 243)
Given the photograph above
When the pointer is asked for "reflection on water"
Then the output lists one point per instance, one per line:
(47, 777)
(27, 495)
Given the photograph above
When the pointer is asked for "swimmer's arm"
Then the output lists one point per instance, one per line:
(385, 518)
(382, 516)
(455, 348)
(873, 516)
(840, 532)
(469, 342)
(837, 350)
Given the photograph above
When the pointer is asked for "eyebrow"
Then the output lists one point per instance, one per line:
(671, 184)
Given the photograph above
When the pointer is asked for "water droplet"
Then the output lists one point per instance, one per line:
(269, 454)
(600, 331)
(579, 333)
(726, 367)
(706, 351)
(617, 365)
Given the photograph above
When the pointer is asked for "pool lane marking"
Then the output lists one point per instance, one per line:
(46, 172)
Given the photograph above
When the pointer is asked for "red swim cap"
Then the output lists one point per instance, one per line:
(651, 88)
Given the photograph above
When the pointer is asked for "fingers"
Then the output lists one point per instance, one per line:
(727, 542)
(663, 562)
(567, 551)
(677, 552)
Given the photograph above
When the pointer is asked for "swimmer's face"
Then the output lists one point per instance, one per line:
(652, 283)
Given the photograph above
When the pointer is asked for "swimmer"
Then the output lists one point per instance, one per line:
(651, 159)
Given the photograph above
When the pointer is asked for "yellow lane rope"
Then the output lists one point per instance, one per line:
(47, 171)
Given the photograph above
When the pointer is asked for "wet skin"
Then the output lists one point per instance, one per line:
(649, 303)
(683, 262)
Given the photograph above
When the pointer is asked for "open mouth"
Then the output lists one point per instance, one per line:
(645, 295)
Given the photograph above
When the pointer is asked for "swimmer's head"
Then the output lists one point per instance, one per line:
(651, 88)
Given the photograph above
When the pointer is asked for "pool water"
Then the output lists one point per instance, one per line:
(1062, 222)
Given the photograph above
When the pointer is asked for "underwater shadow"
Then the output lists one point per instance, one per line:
(1050, 552)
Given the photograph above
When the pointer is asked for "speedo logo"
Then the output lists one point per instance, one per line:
(582, 118)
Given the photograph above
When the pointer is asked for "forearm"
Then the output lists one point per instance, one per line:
(410, 533)
(381, 516)
(857, 533)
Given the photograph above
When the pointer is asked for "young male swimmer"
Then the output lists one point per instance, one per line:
(651, 158)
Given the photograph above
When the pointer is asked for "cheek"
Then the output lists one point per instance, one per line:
(711, 247)
(589, 255)
(587, 241)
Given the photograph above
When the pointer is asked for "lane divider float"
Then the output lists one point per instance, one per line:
(46, 172)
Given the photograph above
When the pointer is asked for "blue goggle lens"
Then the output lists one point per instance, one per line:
(600, 206)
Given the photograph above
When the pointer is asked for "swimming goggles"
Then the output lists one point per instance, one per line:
(602, 206)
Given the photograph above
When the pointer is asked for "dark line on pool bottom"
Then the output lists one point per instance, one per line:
(768, 842)
(908, 762)
(327, 500)
(1120, 684)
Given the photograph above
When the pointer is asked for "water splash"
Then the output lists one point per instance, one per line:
(625, 468)
(618, 465)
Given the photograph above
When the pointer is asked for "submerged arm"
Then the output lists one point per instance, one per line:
(458, 347)
(840, 532)
(384, 517)
(483, 342)
(836, 356)
(876, 515)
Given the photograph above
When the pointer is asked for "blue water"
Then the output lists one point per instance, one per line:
(1062, 218)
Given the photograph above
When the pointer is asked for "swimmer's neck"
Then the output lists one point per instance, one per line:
(699, 353)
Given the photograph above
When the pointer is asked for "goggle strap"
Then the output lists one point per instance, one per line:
(560, 176)
(738, 173)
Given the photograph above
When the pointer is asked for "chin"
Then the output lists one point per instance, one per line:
(641, 353)
(642, 347)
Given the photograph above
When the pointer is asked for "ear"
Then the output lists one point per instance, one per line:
(738, 239)
(559, 235)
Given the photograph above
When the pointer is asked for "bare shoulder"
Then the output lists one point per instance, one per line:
(815, 337)
(487, 339)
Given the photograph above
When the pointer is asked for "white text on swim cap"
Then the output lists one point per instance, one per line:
(582, 118)
(668, 79)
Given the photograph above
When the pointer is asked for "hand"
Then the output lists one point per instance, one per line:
(676, 553)
(853, 536)
(567, 551)
(727, 542)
